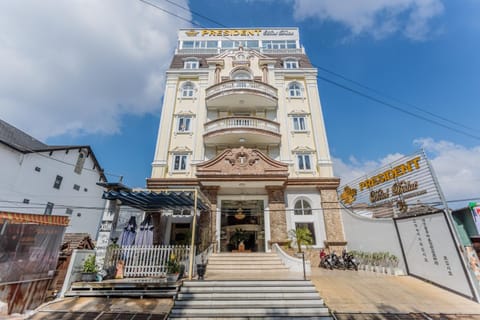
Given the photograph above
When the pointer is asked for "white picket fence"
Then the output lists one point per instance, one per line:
(146, 261)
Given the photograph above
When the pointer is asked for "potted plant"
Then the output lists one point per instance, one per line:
(172, 268)
(201, 268)
(302, 236)
(89, 270)
(238, 238)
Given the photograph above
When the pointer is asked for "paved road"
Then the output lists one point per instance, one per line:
(369, 292)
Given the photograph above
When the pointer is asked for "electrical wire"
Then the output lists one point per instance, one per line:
(367, 96)
(385, 205)
(40, 153)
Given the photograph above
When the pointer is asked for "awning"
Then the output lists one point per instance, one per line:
(34, 218)
(150, 201)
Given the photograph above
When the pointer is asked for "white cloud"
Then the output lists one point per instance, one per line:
(457, 168)
(77, 66)
(379, 18)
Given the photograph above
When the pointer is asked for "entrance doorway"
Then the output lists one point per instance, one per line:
(242, 226)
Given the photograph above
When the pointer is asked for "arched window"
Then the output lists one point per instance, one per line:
(188, 90)
(295, 89)
(241, 75)
(302, 207)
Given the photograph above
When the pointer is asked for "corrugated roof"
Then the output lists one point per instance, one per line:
(147, 200)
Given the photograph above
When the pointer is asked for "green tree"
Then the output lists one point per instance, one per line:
(302, 236)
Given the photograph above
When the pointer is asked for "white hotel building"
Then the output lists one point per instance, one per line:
(242, 121)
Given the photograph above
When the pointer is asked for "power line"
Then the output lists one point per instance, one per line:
(380, 101)
(40, 153)
(390, 105)
(197, 14)
(393, 98)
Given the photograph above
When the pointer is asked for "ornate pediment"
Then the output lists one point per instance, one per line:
(244, 162)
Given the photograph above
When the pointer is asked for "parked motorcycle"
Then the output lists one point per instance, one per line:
(326, 262)
(337, 261)
(349, 261)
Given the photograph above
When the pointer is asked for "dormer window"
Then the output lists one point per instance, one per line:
(290, 64)
(191, 64)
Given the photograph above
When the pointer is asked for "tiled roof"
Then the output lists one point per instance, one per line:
(178, 59)
(18, 139)
(21, 141)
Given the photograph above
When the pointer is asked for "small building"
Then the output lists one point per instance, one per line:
(51, 180)
(29, 248)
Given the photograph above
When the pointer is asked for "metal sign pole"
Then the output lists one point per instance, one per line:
(192, 242)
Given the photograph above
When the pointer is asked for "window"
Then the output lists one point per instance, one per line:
(310, 227)
(191, 64)
(290, 64)
(76, 187)
(49, 208)
(187, 90)
(180, 162)
(294, 89)
(80, 162)
(299, 123)
(184, 124)
(279, 44)
(26, 201)
(181, 212)
(69, 211)
(304, 162)
(302, 207)
(241, 75)
(199, 44)
(239, 43)
(58, 182)
(38, 169)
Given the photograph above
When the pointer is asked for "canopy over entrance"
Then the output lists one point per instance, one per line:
(150, 201)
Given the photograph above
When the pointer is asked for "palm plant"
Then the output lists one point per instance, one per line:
(302, 236)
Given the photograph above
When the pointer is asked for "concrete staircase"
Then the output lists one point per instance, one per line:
(246, 265)
(248, 286)
(270, 299)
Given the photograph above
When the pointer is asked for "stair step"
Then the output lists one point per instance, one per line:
(249, 303)
(265, 295)
(251, 312)
(119, 293)
(247, 283)
(247, 289)
(236, 317)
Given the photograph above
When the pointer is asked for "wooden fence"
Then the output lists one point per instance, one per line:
(146, 261)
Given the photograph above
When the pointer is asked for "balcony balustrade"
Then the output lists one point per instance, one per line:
(242, 131)
(241, 93)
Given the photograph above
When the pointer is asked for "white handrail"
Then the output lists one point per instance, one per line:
(293, 264)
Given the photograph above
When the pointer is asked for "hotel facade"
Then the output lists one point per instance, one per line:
(242, 122)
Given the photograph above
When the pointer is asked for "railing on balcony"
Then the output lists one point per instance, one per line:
(242, 122)
(146, 261)
(227, 86)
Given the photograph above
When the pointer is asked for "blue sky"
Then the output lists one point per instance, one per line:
(91, 72)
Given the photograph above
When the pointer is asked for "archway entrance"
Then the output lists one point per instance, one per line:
(242, 226)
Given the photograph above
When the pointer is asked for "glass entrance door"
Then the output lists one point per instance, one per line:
(242, 226)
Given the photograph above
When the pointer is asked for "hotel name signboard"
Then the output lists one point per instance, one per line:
(207, 33)
(404, 187)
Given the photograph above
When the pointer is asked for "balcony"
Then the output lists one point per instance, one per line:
(244, 131)
(241, 94)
